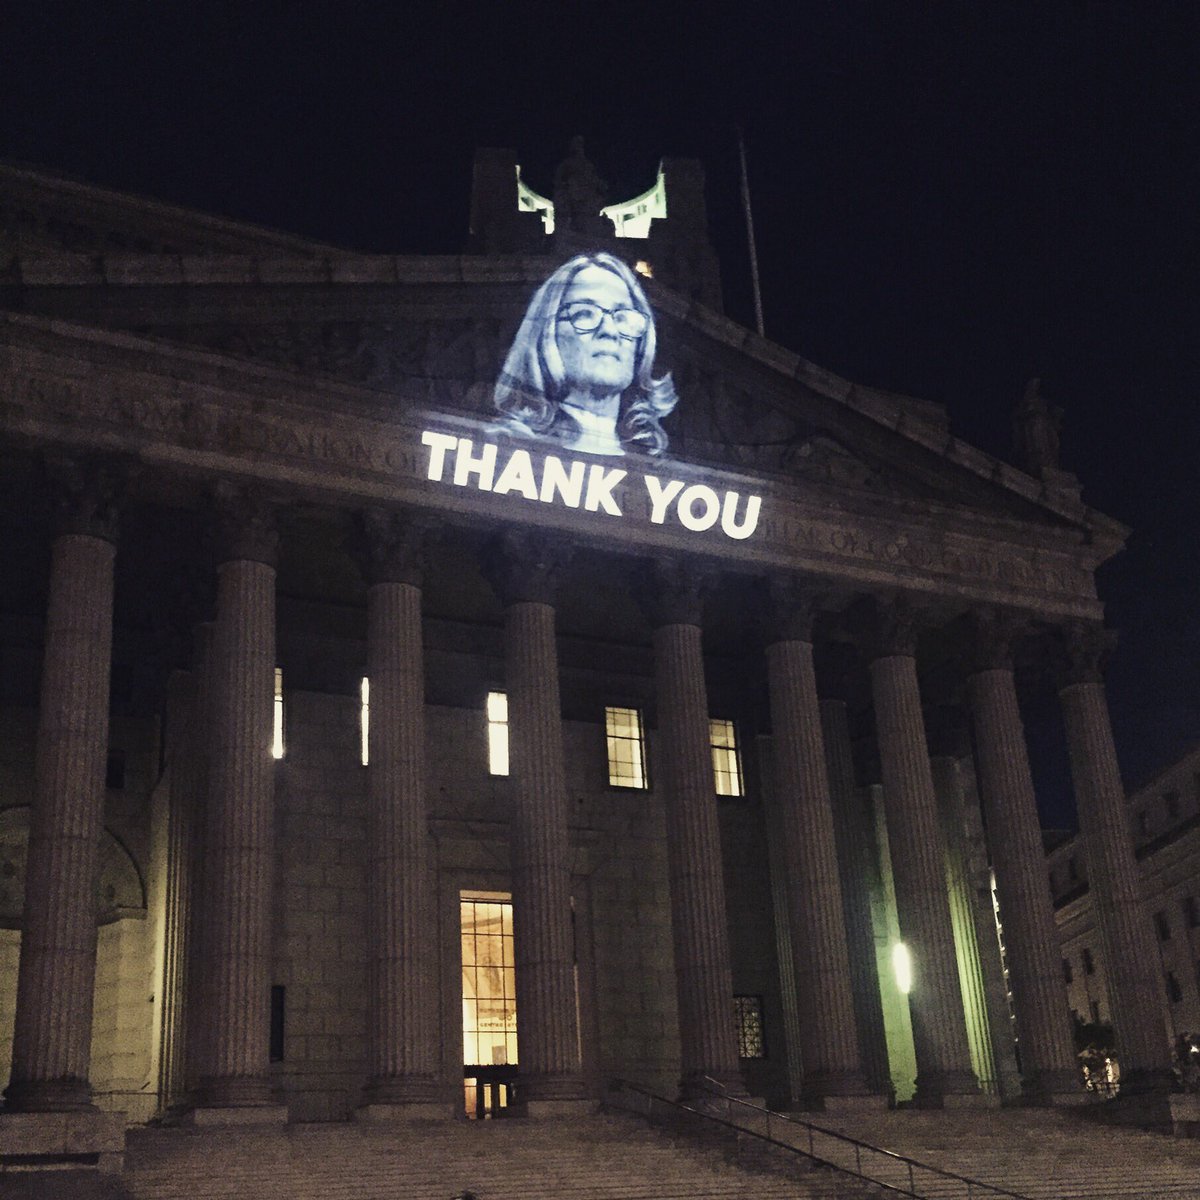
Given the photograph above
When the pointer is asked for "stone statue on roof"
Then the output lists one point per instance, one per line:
(579, 193)
(1036, 427)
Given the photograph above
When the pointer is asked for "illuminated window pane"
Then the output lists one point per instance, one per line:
(497, 731)
(277, 727)
(727, 771)
(364, 716)
(748, 1021)
(626, 747)
(488, 980)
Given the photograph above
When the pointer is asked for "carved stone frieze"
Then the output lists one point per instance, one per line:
(455, 357)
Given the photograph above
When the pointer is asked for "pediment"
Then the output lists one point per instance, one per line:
(433, 332)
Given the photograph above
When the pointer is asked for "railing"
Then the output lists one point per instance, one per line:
(846, 1155)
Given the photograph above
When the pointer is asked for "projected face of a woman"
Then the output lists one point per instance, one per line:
(597, 332)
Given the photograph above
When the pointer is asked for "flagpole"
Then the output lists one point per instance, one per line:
(758, 310)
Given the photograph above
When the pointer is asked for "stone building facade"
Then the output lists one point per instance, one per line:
(1164, 820)
(241, 472)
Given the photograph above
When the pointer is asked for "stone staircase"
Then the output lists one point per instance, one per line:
(605, 1157)
(1043, 1154)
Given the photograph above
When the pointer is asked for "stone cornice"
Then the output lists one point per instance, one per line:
(207, 415)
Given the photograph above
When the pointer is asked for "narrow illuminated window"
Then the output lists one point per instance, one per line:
(626, 747)
(902, 965)
(497, 730)
(364, 716)
(727, 771)
(277, 728)
(748, 1022)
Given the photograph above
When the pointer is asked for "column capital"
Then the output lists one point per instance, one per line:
(1084, 649)
(86, 492)
(673, 592)
(992, 636)
(390, 545)
(244, 525)
(525, 566)
(891, 628)
(793, 605)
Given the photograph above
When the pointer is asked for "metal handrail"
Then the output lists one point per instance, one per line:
(909, 1167)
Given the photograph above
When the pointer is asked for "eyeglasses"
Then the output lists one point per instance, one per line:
(587, 317)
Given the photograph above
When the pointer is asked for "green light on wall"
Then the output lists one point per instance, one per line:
(902, 966)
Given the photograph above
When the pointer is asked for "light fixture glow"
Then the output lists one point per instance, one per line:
(902, 965)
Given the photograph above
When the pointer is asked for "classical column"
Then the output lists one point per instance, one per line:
(1125, 934)
(986, 1009)
(525, 573)
(829, 1037)
(855, 837)
(239, 850)
(53, 1031)
(402, 1049)
(704, 980)
(918, 863)
(1048, 1066)
(195, 994)
(180, 739)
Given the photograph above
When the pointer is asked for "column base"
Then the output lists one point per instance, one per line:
(824, 1090)
(234, 1091)
(1058, 1089)
(48, 1095)
(1185, 1114)
(951, 1089)
(540, 1110)
(56, 1140)
(404, 1090)
(405, 1110)
(865, 1102)
(209, 1116)
(537, 1089)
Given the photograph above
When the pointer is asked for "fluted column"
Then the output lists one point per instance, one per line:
(525, 572)
(704, 979)
(239, 852)
(918, 863)
(180, 732)
(1126, 938)
(821, 962)
(402, 1050)
(855, 837)
(56, 976)
(195, 957)
(1048, 1067)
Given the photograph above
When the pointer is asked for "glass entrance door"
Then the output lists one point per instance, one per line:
(489, 994)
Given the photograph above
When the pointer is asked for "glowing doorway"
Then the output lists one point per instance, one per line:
(489, 998)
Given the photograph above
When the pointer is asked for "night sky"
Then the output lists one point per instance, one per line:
(948, 197)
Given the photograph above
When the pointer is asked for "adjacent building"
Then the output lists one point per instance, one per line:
(1164, 820)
